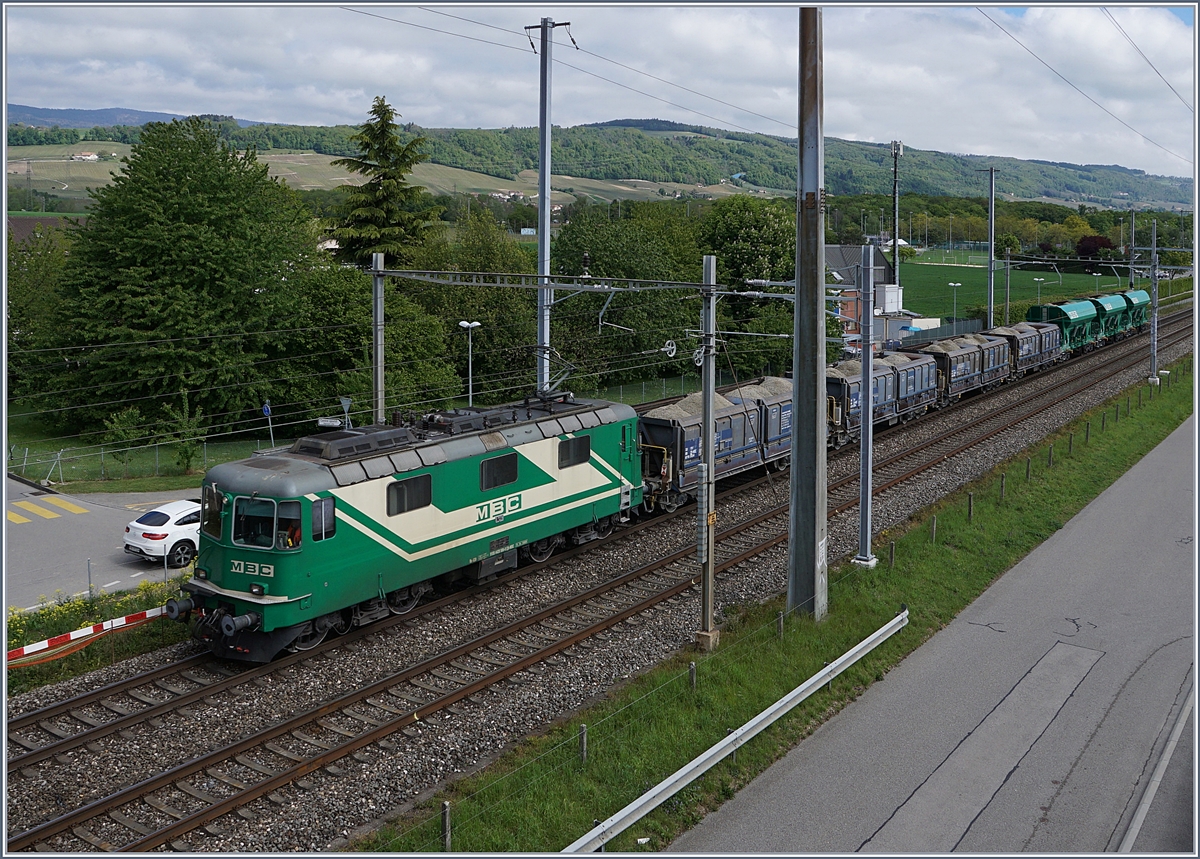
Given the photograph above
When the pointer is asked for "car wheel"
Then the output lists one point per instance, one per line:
(181, 554)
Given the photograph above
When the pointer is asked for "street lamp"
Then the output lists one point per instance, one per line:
(1039, 281)
(954, 315)
(469, 327)
(1096, 274)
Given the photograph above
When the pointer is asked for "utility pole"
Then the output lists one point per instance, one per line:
(377, 340)
(545, 293)
(808, 572)
(709, 635)
(1007, 281)
(1153, 301)
(866, 290)
(1132, 242)
(897, 151)
(991, 278)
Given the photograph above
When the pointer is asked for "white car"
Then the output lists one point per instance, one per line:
(172, 528)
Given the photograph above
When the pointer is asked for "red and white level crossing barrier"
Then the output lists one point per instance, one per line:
(69, 642)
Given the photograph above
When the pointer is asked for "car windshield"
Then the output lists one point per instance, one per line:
(154, 517)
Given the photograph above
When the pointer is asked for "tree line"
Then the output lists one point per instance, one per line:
(198, 289)
(661, 151)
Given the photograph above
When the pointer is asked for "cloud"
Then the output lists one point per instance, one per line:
(943, 78)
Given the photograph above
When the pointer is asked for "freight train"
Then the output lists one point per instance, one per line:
(351, 525)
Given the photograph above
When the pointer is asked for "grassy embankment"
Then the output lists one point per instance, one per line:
(540, 797)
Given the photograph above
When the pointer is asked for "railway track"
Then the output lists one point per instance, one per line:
(194, 795)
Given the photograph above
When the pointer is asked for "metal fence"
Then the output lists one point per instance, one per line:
(112, 461)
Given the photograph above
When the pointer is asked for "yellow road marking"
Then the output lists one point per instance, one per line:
(64, 504)
(33, 508)
(17, 517)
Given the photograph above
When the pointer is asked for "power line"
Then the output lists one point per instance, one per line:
(576, 68)
(630, 68)
(1144, 57)
(1081, 92)
(433, 29)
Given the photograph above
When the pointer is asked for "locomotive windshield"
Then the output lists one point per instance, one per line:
(263, 523)
(211, 503)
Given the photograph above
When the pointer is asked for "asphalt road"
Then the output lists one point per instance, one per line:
(49, 538)
(1033, 722)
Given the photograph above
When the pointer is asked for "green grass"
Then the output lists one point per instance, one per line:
(34, 450)
(540, 797)
(927, 290)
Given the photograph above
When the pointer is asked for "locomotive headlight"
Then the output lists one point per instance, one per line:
(201, 573)
(257, 590)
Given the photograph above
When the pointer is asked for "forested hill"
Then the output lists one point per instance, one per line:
(662, 151)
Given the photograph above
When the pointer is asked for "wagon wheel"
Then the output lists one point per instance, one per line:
(540, 551)
(669, 503)
(403, 601)
(309, 640)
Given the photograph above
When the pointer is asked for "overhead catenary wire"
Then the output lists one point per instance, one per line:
(1064, 79)
(1128, 39)
(787, 124)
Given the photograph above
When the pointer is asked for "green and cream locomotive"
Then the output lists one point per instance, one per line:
(350, 525)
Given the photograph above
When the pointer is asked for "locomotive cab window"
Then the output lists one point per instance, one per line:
(498, 471)
(322, 519)
(575, 451)
(254, 522)
(211, 504)
(411, 494)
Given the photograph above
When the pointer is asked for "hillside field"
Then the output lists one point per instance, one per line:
(48, 168)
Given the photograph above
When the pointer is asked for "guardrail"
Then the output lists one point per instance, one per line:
(647, 802)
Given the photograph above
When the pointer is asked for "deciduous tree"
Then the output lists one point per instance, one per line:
(179, 279)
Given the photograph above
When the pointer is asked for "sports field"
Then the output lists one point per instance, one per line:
(927, 287)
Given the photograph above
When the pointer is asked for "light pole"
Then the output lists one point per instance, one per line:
(950, 235)
(1039, 281)
(954, 315)
(469, 327)
(1096, 274)
(1122, 220)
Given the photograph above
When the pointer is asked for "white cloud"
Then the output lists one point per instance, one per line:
(942, 78)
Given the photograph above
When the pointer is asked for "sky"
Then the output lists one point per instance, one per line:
(1024, 82)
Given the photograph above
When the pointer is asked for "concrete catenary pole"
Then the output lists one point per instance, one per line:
(545, 294)
(377, 340)
(708, 635)
(866, 293)
(808, 572)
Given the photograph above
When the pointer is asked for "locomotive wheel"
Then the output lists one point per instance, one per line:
(403, 601)
(604, 527)
(540, 551)
(309, 640)
(344, 622)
